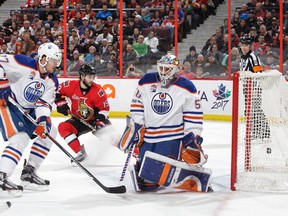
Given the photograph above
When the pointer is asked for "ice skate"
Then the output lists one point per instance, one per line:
(9, 187)
(31, 181)
(81, 155)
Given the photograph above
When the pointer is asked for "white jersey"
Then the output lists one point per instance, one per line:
(167, 113)
(30, 88)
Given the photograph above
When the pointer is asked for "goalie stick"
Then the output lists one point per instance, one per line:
(5, 206)
(118, 189)
(131, 150)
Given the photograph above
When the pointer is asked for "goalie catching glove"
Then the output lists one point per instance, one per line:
(43, 126)
(193, 153)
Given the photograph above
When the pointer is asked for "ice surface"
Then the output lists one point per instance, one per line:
(72, 192)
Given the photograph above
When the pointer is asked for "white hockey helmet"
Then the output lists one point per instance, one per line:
(167, 68)
(50, 50)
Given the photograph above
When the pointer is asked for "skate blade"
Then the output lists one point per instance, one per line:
(34, 187)
(11, 193)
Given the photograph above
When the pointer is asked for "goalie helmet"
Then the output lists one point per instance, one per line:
(246, 39)
(167, 68)
(86, 69)
(50, 51)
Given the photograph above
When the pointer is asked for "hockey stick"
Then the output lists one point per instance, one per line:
(83, 122)
(5, 206)
(131, 150)
(117, 189)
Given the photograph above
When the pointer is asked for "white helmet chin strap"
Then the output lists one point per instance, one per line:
(43, 65)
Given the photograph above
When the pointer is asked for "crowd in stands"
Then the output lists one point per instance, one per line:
(259, 19)
(148, 32)
(32, 24)
(93, 34)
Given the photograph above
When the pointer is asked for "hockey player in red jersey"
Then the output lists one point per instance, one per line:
(89, 104)
(166, 125)
(33, 86)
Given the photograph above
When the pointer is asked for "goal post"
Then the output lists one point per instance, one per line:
(259, 132)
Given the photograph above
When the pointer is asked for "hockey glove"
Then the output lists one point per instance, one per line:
(5, 91)
(43, 126)
(62, 106)
(193, 153)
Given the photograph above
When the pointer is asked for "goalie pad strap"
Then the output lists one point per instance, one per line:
(169, 172)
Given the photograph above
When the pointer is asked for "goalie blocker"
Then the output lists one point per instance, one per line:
(168, 172)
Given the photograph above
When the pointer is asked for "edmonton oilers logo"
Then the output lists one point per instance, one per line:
(162, 103)
(33, 91)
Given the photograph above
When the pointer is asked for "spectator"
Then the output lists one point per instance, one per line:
(192, 56)
(129, 55)
(56, 29)
(259, 47)
(103, 46)
(110, 70)
(4, 49)
(199, 72)
(267, 37)
(104, 13)
(153, 43)
(86, 24)
(133, 72)
(98, 64)
(270, 63)
(12, 44)
(90, 57)
(98, 27)
(186, 71)
(156, 21)
(199, 62)
(213, 68)
(19, 48)
(72, 13)
(75, 64)
(105, 35)
(26, 26)
(89, 13)
(141, 48)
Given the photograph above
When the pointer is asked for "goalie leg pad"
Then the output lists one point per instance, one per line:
(133, 135)
(138, 182)
(169, 172)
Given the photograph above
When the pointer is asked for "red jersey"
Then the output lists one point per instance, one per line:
(84, 105)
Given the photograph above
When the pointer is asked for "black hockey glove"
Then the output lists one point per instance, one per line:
(62, 104)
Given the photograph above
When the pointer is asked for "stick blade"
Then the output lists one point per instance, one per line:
(116, 190)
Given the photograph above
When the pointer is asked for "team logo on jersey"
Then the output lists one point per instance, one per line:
(84, 110)
(33, 91)
(162, 103)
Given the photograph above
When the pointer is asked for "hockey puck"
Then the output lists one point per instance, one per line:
(269, 150)
(8, 204)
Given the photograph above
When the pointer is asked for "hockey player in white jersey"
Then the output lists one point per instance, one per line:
(33, 86)
(166, 124)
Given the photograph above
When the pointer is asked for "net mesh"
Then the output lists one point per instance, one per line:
(262, 140)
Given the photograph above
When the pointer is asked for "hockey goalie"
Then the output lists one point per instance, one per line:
(166, 125)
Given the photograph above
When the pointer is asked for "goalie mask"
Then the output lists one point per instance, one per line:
(50, 51)
(167, 68)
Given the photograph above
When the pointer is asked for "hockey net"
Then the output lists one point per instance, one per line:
(260, 132)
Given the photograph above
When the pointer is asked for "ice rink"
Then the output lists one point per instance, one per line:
(73, 193)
